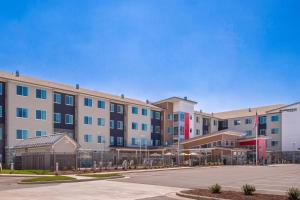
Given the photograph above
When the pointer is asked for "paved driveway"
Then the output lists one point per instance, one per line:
(270, 179)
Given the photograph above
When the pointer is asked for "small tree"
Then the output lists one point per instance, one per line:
(248, 189)
(293, 193)
(216, 188)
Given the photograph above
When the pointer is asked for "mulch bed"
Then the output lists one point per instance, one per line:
(234, 195)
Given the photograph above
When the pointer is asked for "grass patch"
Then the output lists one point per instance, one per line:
(101, 176)
(48, 179)
(33, 171)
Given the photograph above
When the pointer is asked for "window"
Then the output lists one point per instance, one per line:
(248, 121)
(40, 94)
(170, 130)
(68, 119)
(120, 109)
(215, 122)
(1, 134)
(144, 112)
(88, 120)
(275, 118)
(112, 124)
(237, 122)
(22, 90)
(181, 130)
(275, 143)
(175, 130)
(275, 130)
(120, 125)
(112, 107)
(112, 140)
(87, 138)
(191, 117)
(152, 129)
(133, 141)
(134, 110)
(157, 129)
(191, 130)
(40, 114)
(181, 117)
(40, 133)
(262, 132)
(69, 100)
(157, 115)
(175, 117)
(152, 114)
(197, 119)
(143, 142)
(57, 98)
(1, 88)
(101, 122)
(1, 111)
(197, 132)
(22, 134)
(144, 127)
(100, 139)
(57, 118)
(170, 117)
(101, 104)
(88, 102)
(263, 120)
(134, 126)
(22, 112)
(248, 133)
(119, 141)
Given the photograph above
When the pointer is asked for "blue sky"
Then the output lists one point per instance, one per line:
(223, 54)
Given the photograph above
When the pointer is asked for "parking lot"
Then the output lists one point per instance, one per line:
(159, 184)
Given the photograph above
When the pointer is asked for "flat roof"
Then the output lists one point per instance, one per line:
(175, 99)
(68, 88)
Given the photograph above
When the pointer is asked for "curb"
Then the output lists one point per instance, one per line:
(192, 196)
(23, 175)
(70, 181)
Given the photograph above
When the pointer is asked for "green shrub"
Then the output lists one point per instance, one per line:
(248, 189)
(216, 188)
(293, 194)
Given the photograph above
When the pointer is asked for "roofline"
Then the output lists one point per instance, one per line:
(72, 90)
(174, 97)
(279, 109)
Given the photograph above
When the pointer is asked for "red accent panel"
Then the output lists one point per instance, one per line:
(262, 147)
(186, 126)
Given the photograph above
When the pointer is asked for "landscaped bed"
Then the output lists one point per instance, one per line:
(48, 179)
(103, 176)
(232, 195)
(29, 172)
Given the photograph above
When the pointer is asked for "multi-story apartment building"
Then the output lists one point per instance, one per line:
(102, 122)
(97, 121)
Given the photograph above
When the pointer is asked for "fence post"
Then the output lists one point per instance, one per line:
(56, 168)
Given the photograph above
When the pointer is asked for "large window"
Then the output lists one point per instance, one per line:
(157, 115)
(22, 134)
(101, 104)
(88, 120)
(101, 122)
(40, 114)
(144, 112)
(275, 118)
(88, 102)
(275, 143)
(262, 132)
(144, 127)
(1, 111)
(120, 109)
(112, 107)
(40, 94)
(170, 117)
(275, 130)
(69, 119)
(248, 121)
(1, 88)
(120, 125)
(22, 90)
(40, 133)
(57, 98)
(100, 139)
(157, 129)
(112, 140)
(263, 120)
(237, 122)
(69, 100)
(87, 138)
(1, 134)
(57, 118)
(249, 133)
(134, 126)
(134, 141)
(134, 110)
(22, 112)
(112, 124)
(119, 141)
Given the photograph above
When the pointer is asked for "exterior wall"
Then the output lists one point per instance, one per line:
(243, 127)
(291, 128)
(274, 137)
(2, 124)
(156, 136)
(168, 125)
(213, 125)
(139, 119)
(198, 124)
(118, 133)
(32, 104)
(65, 145)
(93, 129)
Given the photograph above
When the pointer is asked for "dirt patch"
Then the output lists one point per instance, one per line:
(234, 195)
